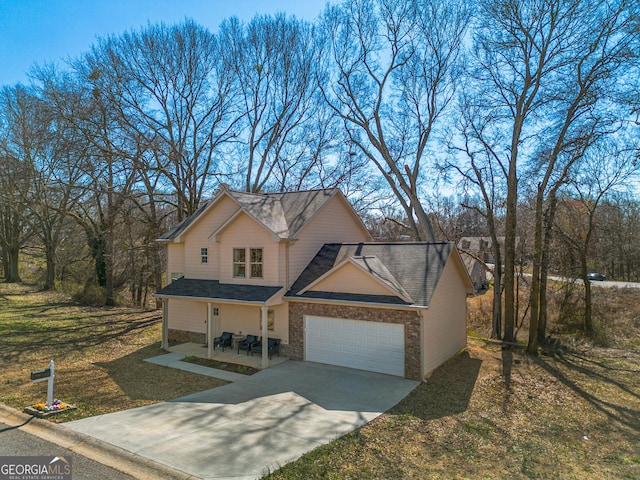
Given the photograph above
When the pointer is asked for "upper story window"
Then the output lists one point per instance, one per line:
(239, 262)
(204, 255)
(255, 258)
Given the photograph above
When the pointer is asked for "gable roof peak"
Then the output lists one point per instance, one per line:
(283, 213)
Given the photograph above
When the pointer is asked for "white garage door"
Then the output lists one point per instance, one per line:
(373, 346)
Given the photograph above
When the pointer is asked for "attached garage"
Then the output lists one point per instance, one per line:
(393, 308)
(373, 346)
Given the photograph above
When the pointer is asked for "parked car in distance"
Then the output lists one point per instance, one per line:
(600, 277)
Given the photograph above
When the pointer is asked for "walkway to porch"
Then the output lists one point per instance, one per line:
(228, 356)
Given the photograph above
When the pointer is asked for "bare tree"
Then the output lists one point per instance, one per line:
(171, 89)
(279, 142)
(585, 111)
(18, 151)
(394, 66)
(540, 68)
(600, 174)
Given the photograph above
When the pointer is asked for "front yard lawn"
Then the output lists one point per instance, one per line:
(487, 413)
(98, 355)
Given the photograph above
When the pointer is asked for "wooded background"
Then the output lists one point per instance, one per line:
(509, 119)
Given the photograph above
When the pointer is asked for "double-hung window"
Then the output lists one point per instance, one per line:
(255, 261)
(239, 262)
(204, 255)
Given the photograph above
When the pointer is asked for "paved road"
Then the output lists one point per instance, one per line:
(605, 284)
(14, 442)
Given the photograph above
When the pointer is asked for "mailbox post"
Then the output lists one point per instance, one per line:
(46, 374)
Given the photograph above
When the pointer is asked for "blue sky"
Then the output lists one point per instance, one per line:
(41, 31)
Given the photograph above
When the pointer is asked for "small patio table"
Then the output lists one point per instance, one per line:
(236, 338)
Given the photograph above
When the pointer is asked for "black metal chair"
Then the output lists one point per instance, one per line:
(247, 343)
(224, 340)
(272, 347)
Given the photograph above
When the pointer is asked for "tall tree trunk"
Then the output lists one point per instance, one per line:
(510, 250)
(109, 301)
(496, 330)
(12, 274)
(50, 255)
(534, 297)
(544, 265)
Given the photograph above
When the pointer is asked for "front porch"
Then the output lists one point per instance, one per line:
(228, 356)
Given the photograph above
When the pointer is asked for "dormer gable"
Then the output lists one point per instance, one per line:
(359, 275)
(283, 214)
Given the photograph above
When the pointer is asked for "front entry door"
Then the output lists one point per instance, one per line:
(215, 321)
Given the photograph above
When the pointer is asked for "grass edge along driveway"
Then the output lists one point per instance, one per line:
(487, 413)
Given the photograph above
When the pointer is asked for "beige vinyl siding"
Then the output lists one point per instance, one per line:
(247, 320)
(188, 316)
(283, 251)
(332, 224)
(198, 235)
(245, 232)
(175, 260)
(351, 279)
(444, 327)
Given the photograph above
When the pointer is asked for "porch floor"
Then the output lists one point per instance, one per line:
(228, 356)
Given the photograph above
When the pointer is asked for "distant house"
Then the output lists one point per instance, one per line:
(479, 247)
(477, 271)
(301, 267)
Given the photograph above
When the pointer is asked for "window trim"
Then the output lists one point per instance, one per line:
(242, 263)
(204, 255)
(260, 263)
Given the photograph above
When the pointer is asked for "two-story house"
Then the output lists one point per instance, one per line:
(301, 267)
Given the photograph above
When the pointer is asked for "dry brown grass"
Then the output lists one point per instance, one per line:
(490, 413)
(616, 316)
(497, 414)
(98, 354)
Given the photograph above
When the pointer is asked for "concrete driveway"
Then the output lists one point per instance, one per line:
(247, 428)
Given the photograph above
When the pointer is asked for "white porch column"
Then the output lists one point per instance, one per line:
(209, 331)
(165, 323)
(265, 336)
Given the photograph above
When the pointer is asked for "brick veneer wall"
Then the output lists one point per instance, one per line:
(409, 318)
(183, 336)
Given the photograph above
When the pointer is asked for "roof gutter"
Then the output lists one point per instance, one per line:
(220, 300)
(388, 306)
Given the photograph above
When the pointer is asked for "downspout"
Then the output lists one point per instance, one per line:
(165, 324)
(286, 264)
(209, 331)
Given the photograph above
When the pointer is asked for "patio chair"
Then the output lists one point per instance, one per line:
(273, 347)
(248, 343)
(223, 340)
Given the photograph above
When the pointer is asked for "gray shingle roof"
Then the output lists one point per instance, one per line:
(282, 213)
(417, 267)
(180, 227)
(213, 289)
